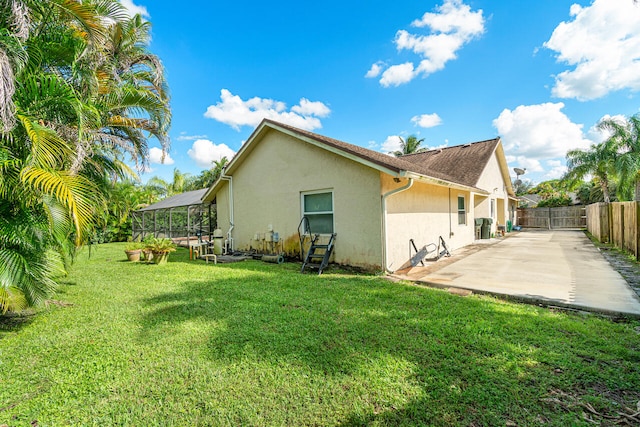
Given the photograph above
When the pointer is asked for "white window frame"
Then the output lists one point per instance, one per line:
(493, 208)
(464, 209)
(331, 212)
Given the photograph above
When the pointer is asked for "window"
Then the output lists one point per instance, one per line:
(318, 208)
(493, 208)
(462, 211)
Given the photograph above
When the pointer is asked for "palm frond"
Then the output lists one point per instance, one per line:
(72, 191)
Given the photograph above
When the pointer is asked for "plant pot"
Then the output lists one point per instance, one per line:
(147, 255)
(134, 255)
(160, 258)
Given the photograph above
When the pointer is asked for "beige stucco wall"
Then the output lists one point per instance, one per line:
(267, 189)
(423, 213)
(492, 181)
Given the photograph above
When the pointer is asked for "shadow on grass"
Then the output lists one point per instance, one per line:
(474, 360)
(13, 322)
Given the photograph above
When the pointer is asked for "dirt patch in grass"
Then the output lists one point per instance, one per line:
(609, 408)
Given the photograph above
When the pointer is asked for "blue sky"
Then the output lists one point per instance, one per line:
(539, 74)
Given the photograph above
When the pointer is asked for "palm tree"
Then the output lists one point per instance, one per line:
(599, 161)
(209, 176)
(181, 183)
(625, 137)
(410, 146)
(70, 110)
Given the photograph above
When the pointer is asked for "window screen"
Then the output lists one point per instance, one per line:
(318, 208)
(462, 211)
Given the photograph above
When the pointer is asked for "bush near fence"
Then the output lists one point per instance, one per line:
(617, 223)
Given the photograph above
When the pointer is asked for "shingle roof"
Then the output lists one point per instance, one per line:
(184, 199)
(390, 162)
(460, 164)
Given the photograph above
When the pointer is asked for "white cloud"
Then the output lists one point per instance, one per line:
(531, 165)
(205, 152)
(450, 27)
(391, 144)
(602, 42)
(539, 131)
(556, 169)
(309, 108)
(235, 112)
(397, 75)
(133, 9)
(427, 120)
(184, 137)
(375, 70)
(155, 156)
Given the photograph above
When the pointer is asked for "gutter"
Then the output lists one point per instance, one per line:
(384, 220)
(228, 244)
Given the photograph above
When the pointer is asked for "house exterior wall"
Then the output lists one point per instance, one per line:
(267, 190)
(423, 213)
(492, 181)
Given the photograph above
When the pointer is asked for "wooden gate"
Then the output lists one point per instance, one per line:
(553, 218)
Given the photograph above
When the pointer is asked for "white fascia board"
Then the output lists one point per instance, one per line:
(443, 183)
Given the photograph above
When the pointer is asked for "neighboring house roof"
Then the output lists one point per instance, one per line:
(532, 199)
(184, 199)
(459, 167)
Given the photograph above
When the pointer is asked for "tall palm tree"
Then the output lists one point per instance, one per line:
(409, 146)
(599, 161)
(625, 137)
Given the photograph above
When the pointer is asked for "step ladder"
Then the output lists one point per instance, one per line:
(318, 254)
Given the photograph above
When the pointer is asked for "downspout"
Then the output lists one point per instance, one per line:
(384, 221)
(450, 229)
(229, 242)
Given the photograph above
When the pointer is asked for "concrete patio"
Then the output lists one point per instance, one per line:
(552, 267)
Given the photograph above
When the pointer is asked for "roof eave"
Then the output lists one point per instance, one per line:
(504, 168)
(442, 182)
(341, 152)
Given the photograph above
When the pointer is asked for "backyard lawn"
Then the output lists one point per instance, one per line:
(259, 344)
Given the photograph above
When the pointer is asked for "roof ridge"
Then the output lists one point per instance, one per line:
(429, 150)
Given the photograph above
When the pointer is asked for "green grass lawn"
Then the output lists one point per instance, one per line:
(259, 344)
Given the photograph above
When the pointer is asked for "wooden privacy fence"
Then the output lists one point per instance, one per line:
(553, 218)
(618, 223)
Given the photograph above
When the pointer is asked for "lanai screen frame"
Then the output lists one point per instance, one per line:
(173, 219)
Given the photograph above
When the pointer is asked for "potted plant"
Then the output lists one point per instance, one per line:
(160, 248)
(147, 255)
(133, 251)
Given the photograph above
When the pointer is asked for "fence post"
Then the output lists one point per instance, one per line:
(622, 227)
(637, 230)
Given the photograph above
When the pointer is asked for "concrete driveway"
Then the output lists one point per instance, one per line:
(559, 267)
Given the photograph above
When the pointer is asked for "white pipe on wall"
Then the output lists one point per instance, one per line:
(229, 234)
(384, 220)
